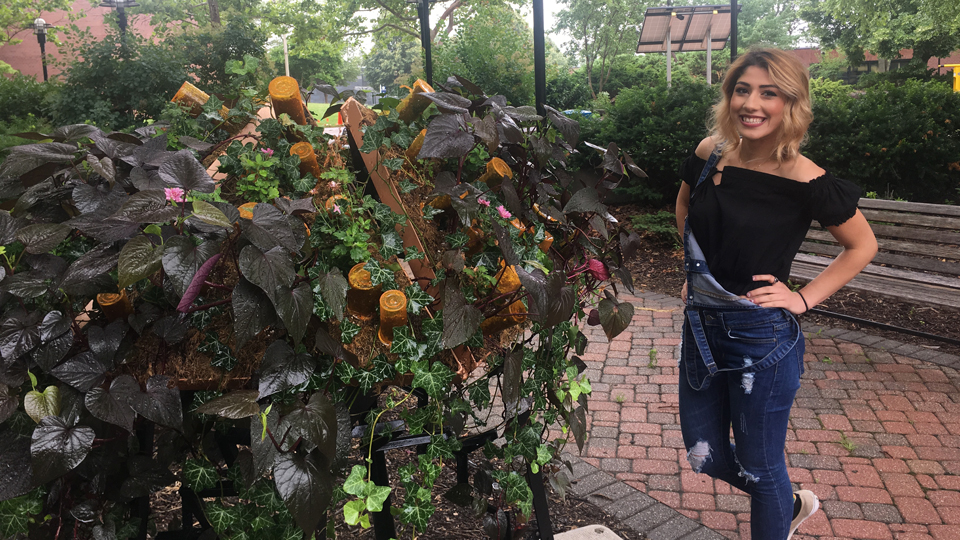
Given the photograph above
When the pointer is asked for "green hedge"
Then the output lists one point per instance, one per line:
(22, 96)
(659, 128)
(898, 141)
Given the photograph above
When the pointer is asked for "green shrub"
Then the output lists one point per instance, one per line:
(26, 124)
(899, 141)
(659, 127)
(660, 227)
(21, 96)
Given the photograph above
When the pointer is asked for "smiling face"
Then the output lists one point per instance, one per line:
(756, 106)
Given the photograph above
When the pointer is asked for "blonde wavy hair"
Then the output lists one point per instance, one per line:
(791, 77)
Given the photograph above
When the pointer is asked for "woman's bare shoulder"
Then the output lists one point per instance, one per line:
(706, 146)
(805, 170)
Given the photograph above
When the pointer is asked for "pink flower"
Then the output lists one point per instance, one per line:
(267, 151)
(503, 212)
(175, 194)
(336, 209)
(598, 270)
(484, 202)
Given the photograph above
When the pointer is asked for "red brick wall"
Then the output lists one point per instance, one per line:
(25, 56)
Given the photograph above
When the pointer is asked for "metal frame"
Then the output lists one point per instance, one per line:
(676, 34)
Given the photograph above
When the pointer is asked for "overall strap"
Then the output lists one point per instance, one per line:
(711, 161)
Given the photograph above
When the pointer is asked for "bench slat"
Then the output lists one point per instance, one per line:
(937, 222)
(904, 206)
(910, 233)
(874, 268)
(889, 287)
(902, 261)
(886, 244)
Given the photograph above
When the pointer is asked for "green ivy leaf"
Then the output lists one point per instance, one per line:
(376, 497)
(139, 259)
(416, 512)
(200, 474)
(430, 211)
(378, 274)
(435, 380)
(352, 511)
(406, 186)
(221, 518)
(411, 253)
(392, 244)
(394, 164)
(355, 484)
(417, 298)
(17, 514)
(348, 330)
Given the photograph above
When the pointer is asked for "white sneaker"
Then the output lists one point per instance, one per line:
(809, 504)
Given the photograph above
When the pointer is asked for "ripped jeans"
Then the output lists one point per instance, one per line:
(747, 382)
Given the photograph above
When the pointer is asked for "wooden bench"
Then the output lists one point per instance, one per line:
(918, 260)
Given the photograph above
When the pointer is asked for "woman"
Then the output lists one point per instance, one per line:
(745, 204)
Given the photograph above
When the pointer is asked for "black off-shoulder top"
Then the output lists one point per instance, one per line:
(754, 222)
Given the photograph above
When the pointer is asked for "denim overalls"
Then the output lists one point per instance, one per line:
(740, 366)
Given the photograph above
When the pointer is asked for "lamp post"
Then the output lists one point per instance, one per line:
(120, 6)
(40, 28)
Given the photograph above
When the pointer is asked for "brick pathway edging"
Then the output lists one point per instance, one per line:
(624, 378)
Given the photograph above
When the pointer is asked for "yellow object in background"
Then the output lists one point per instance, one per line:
(496, 170)
(362, 296)
(115, 306)
(956, 75)
(190, 96)
(416, 145)
(414, 104)
(308, 159)
(285, 95)
(393, 313)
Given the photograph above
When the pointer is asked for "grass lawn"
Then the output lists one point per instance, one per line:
(318, 110)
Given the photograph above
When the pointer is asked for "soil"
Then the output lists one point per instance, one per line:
(659, 268)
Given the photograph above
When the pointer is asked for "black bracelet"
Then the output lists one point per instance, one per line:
(805, 306)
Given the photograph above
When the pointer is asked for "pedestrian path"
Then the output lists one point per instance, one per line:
(874, 432)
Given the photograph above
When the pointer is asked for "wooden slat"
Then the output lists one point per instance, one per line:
(918, 208)
(889, 287)
(886, 244)
(874, 268)
(912, 233)
(892, 259)
(937, 222)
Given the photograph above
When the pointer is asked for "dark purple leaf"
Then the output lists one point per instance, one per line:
(26, 285)
(105, 341)
(98, 261)
(182, 258)
(196, 285)
(625, 277)
(269, 228)
(252, 311)
(578, 426)
(146, 476)
(505, 244)
(282, 368)
(448, 103)
(611, 160)
(460, 320)
(15, 470)
(19, 332)
(235, 405)
(105, 229)
(160, 403)
(329, 346)
(446, 138)
(83, 371)
(632, 167)
(9, 401)
(9, 226)
(184, 171)
(268, 270)
(569, 127)
(295, 307)
(25, 158)
(294, 207)
(593, 318)
(629, 244)
(614, 317)
(306, 486)
(139, 259)
(196, 144)
(585, 200)
(50, 353)
(172, 328)
(114, 405)
(512, 377)
(333, 289)
(57, 448)
(43, 237)
(315, 422)
(486, 129)
(74, 133)
(142, 203)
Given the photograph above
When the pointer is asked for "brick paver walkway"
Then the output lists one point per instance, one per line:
(874, 432)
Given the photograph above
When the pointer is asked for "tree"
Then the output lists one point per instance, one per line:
(493, 49)
(601, 30)
(929, 27)
(319, 60)
(16, 21)
(390, 61)
(768, 22)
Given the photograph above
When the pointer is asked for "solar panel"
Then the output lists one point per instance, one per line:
(691, 28)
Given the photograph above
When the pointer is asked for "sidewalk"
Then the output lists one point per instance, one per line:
(874, 432)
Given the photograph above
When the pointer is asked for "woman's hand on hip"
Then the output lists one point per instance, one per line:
(776, 295)
(683, 292)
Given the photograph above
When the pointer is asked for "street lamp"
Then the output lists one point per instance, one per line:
(40, 28)
(120, 6)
